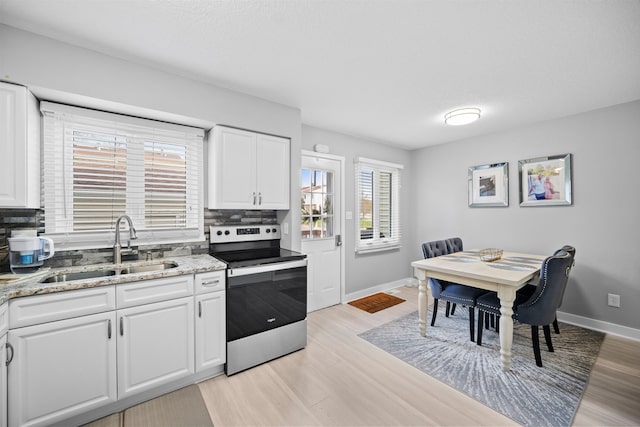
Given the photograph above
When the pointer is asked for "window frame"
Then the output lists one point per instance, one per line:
(57, 175)
(376, 244)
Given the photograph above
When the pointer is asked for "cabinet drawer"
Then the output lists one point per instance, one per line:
(154, 290)
(37, 309)
(210, 282)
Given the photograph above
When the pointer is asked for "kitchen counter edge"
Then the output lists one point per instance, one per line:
(32, 286)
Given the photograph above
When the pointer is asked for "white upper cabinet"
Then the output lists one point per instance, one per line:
(19, 148)
(248, 170)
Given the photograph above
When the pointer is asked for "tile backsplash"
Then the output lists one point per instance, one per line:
(11, 219)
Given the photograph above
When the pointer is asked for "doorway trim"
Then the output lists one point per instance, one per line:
(341, 214)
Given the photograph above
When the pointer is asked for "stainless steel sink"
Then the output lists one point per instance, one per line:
(148, 268)
(68, 277)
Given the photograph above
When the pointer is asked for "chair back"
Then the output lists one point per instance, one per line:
(437, 248)
(540, 308)
(572, 252)
(441, 247)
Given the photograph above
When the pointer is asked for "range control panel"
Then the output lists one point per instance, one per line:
(234, 233)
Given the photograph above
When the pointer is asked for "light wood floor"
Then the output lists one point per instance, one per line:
(340, 379)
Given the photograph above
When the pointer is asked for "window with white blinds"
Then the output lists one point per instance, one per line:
(377, 205)
(98, 166)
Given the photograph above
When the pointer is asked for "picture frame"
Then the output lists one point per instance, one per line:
(546, 181)
(489, 185)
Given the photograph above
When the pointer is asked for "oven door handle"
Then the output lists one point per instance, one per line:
(244, 271)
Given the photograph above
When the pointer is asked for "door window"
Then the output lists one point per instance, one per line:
(317, 194)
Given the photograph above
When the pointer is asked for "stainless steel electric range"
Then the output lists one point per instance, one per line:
(266, 294)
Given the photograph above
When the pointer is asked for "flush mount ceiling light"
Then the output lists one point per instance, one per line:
(462, 116)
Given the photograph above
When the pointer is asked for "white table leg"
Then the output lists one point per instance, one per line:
(507, 295)
(422, 300)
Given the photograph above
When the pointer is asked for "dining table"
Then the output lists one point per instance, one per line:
(504, 276)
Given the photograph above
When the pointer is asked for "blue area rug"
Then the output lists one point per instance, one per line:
(529, 395)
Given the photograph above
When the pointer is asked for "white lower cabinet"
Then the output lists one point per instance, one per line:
(3, 380)
(61, 369)
(155, 345)
(73, 352)
(210, 330)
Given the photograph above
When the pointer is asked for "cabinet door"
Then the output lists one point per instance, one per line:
(273, 168)
(210, 330)
(3, 381)
(155, 345)
(19, 148)
(61, 369)
(232, 175)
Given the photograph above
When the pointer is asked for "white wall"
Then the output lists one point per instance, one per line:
(64, 72)
(368, 270)
(602, 223)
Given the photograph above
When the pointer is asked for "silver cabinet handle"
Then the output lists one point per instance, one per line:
(9, 359)
(260, 198)
(109, 329)
(199, 308)
(121, 327)
(210, 282)
(254, 197)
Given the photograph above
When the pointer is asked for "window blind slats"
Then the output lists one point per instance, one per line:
(101, 165)
(377, 192)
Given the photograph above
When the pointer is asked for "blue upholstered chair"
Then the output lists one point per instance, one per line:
(452, 293)
(529, 289)
(539, 309)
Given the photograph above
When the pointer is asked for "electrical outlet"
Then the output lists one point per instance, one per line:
(613, 300)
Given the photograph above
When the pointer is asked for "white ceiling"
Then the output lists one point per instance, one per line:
(379, 69)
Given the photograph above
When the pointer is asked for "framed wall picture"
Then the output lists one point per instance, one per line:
(545, 181)
(489, 185)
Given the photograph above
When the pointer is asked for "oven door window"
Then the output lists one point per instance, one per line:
(263, 301)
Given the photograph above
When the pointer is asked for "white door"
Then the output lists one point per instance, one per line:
(210, 330)
(272, 171)
(61, 369)
(155, 345)
(321, 195)
(13, 151)
(232, 175)
(3, 381)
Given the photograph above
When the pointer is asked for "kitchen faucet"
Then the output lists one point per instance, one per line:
(117, 248)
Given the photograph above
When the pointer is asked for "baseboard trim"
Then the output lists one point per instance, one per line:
(599, 325)
(584, 322)
(380, 288)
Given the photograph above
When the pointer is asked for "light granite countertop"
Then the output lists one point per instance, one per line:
(31, 284)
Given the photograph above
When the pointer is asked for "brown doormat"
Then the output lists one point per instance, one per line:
(376, 302)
